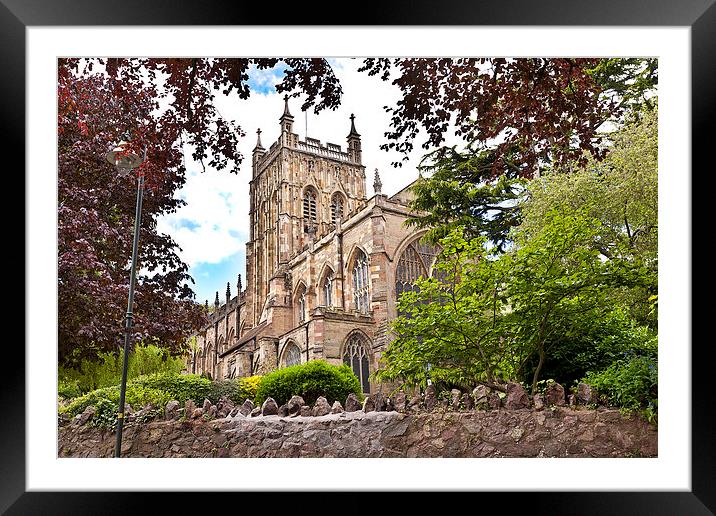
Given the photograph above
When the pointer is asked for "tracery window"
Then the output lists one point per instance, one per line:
(301, 305)
(360, 282)
(327, 289)
(355, 356)
(415, 262)
(336, 209)
(309, 209)
(292, 355)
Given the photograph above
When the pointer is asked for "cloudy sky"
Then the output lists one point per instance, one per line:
(212, 229)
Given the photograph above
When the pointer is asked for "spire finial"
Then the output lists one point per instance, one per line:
(286, 112)
(228, 291)
(258, 140)
(353, 132)
(238, 285)
(206, 304)
(216, 300)
(377, 185)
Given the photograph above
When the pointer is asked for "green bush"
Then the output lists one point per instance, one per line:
(310, 380)
(237, 390)
(68, 389)
(157, 389)
(631, 383)
(107, 371)
(106, 401)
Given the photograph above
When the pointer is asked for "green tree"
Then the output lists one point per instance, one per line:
(485, 316)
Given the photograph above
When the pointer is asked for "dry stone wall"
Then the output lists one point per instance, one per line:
(472, 426)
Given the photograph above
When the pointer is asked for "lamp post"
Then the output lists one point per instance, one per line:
(125, 161)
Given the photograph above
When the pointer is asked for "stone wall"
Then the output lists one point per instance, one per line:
(556, 431)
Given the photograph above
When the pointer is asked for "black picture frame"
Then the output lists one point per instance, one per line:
(699, 15)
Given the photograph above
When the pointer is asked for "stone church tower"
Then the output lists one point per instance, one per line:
(324, 264)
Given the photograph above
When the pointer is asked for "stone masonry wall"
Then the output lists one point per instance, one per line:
(551, 432)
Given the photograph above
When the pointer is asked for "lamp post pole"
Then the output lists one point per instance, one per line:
(126, 161)
(129, 319)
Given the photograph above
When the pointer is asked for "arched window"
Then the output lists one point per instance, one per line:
(327, 288)
(301, 305)
(292, 355)
(336, 208)
(355, 356)
(415, 262)
(309, 209)
(360, 282)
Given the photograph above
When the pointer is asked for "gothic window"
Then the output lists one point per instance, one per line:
(415, 262)
(327, 289)
(309, 209)
(301, 305)
(360, 282)
(336, 208)
(355, 356)
(292, 355)
(231, 371)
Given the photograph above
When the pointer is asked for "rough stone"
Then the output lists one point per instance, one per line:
(585, 393)
(269, 407)
(493, 401)
(283, 410)
(455, 396)
(234, 412)
(400, 401)
(337, 408)
(479, 395)
(306, 411)
(369, 404)
(538, 401)
(294, 405)
(85, 416)
(321, 407)
(197, 413)
(467, 401)
(207, 405)
(414, 403)
(352, 403)
(380, 402)
(389, 405)
(521, 433)
(171, 411)
(554, 395)
(516, 397)
(212, 411)
(246, 408)
(571, 400)
(430, 397)
(189, 407)
(256, 412)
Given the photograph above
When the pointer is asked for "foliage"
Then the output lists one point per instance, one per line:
(310, 380)
(621, 193)
(630, 383)
(106, 402)
(157, 389)
(483, 317)
(631, 81)
(538, 110)
(459, 191)
(107, 369)
(237, 390)
(158, 105)
(590, 341)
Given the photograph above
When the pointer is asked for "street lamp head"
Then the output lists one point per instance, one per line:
(123, 159)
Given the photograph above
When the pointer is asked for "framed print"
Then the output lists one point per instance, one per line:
(36, 33)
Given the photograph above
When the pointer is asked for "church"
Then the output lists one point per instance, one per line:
(324, 264)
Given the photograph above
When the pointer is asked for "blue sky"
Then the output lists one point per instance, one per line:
(212, 229)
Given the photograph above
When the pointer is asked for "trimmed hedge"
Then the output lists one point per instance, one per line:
(310, 380)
